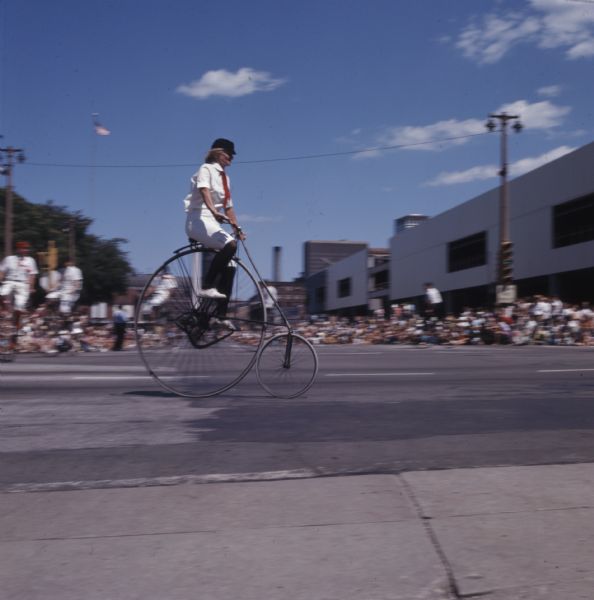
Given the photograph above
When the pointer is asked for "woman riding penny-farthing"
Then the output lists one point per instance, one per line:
(201, 320)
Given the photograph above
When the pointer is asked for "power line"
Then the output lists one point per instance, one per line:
(263, 160)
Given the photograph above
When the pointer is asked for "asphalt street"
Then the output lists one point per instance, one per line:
(98, 420)
(405, 473)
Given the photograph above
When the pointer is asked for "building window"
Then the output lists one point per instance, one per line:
(321, 295)
(380, 280)
(467, 252)
(573, 222)
(344, 287)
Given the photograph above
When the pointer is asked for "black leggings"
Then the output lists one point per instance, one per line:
(221, 275)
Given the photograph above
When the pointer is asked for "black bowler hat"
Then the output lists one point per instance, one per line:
(227, 145)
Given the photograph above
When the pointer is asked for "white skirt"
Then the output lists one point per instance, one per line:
(204, 228)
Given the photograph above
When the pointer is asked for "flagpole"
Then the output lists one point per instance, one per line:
(93, 162)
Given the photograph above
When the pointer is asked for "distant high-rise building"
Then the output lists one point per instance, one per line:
(318, 255)
(408, 222)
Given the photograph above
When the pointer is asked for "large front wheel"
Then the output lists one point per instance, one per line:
(287, 365)
(193, 346)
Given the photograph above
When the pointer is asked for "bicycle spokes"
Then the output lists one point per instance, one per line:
(197, 346)
(287, 365)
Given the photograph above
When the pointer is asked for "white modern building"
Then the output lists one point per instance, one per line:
(346, 283)
(551, 224)
(356, 284)
(318, 256)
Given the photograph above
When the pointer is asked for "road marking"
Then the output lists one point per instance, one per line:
(563, 370)
(350, 353)
(60, 486)
(16, 367)
(373, 374)
(103, 377)
(106, 377)
(116, 377)
(59, 377)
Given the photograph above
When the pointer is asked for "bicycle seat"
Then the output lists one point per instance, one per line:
(192, 245)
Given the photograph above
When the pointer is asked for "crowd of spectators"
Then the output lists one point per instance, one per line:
(538, 320)
(50, 333)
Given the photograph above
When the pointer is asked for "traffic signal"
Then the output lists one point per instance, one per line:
(42, 260)
(507, 263)
(48, 261)
(52, 256)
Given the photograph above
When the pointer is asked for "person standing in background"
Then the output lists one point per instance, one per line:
(120, 321)
(433, 301)
(69, 288)
(17, 274)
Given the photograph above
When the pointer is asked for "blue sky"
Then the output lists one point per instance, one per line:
(343, 112)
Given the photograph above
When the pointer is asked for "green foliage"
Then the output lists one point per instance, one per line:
(104, 264)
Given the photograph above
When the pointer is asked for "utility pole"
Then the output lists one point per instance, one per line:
(7, 160)
(506, 291)
(71, 241)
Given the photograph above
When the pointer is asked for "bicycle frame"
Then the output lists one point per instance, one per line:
(261, 283)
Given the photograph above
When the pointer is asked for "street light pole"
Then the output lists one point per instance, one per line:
(7, 155)
(505, 258)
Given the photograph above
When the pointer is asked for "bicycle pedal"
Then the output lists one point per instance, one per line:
(224, 324)
(195, 335)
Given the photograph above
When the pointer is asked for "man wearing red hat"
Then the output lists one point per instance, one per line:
(17, 275)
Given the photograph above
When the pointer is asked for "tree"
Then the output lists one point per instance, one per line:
(104, 264)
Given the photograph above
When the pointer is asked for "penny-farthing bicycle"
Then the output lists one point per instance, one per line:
(192, 351)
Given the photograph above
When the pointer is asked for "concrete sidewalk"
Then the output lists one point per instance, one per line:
(511, 533)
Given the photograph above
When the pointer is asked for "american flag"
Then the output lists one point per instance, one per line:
(99, 129)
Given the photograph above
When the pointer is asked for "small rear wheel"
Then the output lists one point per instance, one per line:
(287, 365)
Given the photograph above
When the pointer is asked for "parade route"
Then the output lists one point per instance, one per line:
(476, 480)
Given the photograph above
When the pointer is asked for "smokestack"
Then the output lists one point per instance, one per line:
(276, 263)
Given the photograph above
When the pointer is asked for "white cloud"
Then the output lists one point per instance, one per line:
(452, 132)
(456, 177)
(491, 171)
(529, 164)
(582, 49)
(434, 136)
(224, 83)
(491, 40)
(539, 115)
(549, 91)
(544, 115)
(567, 24)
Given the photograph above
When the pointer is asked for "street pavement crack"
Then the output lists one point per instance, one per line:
(426, 521)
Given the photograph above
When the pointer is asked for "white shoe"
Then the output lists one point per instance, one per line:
(224, 323)
(212, 293)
